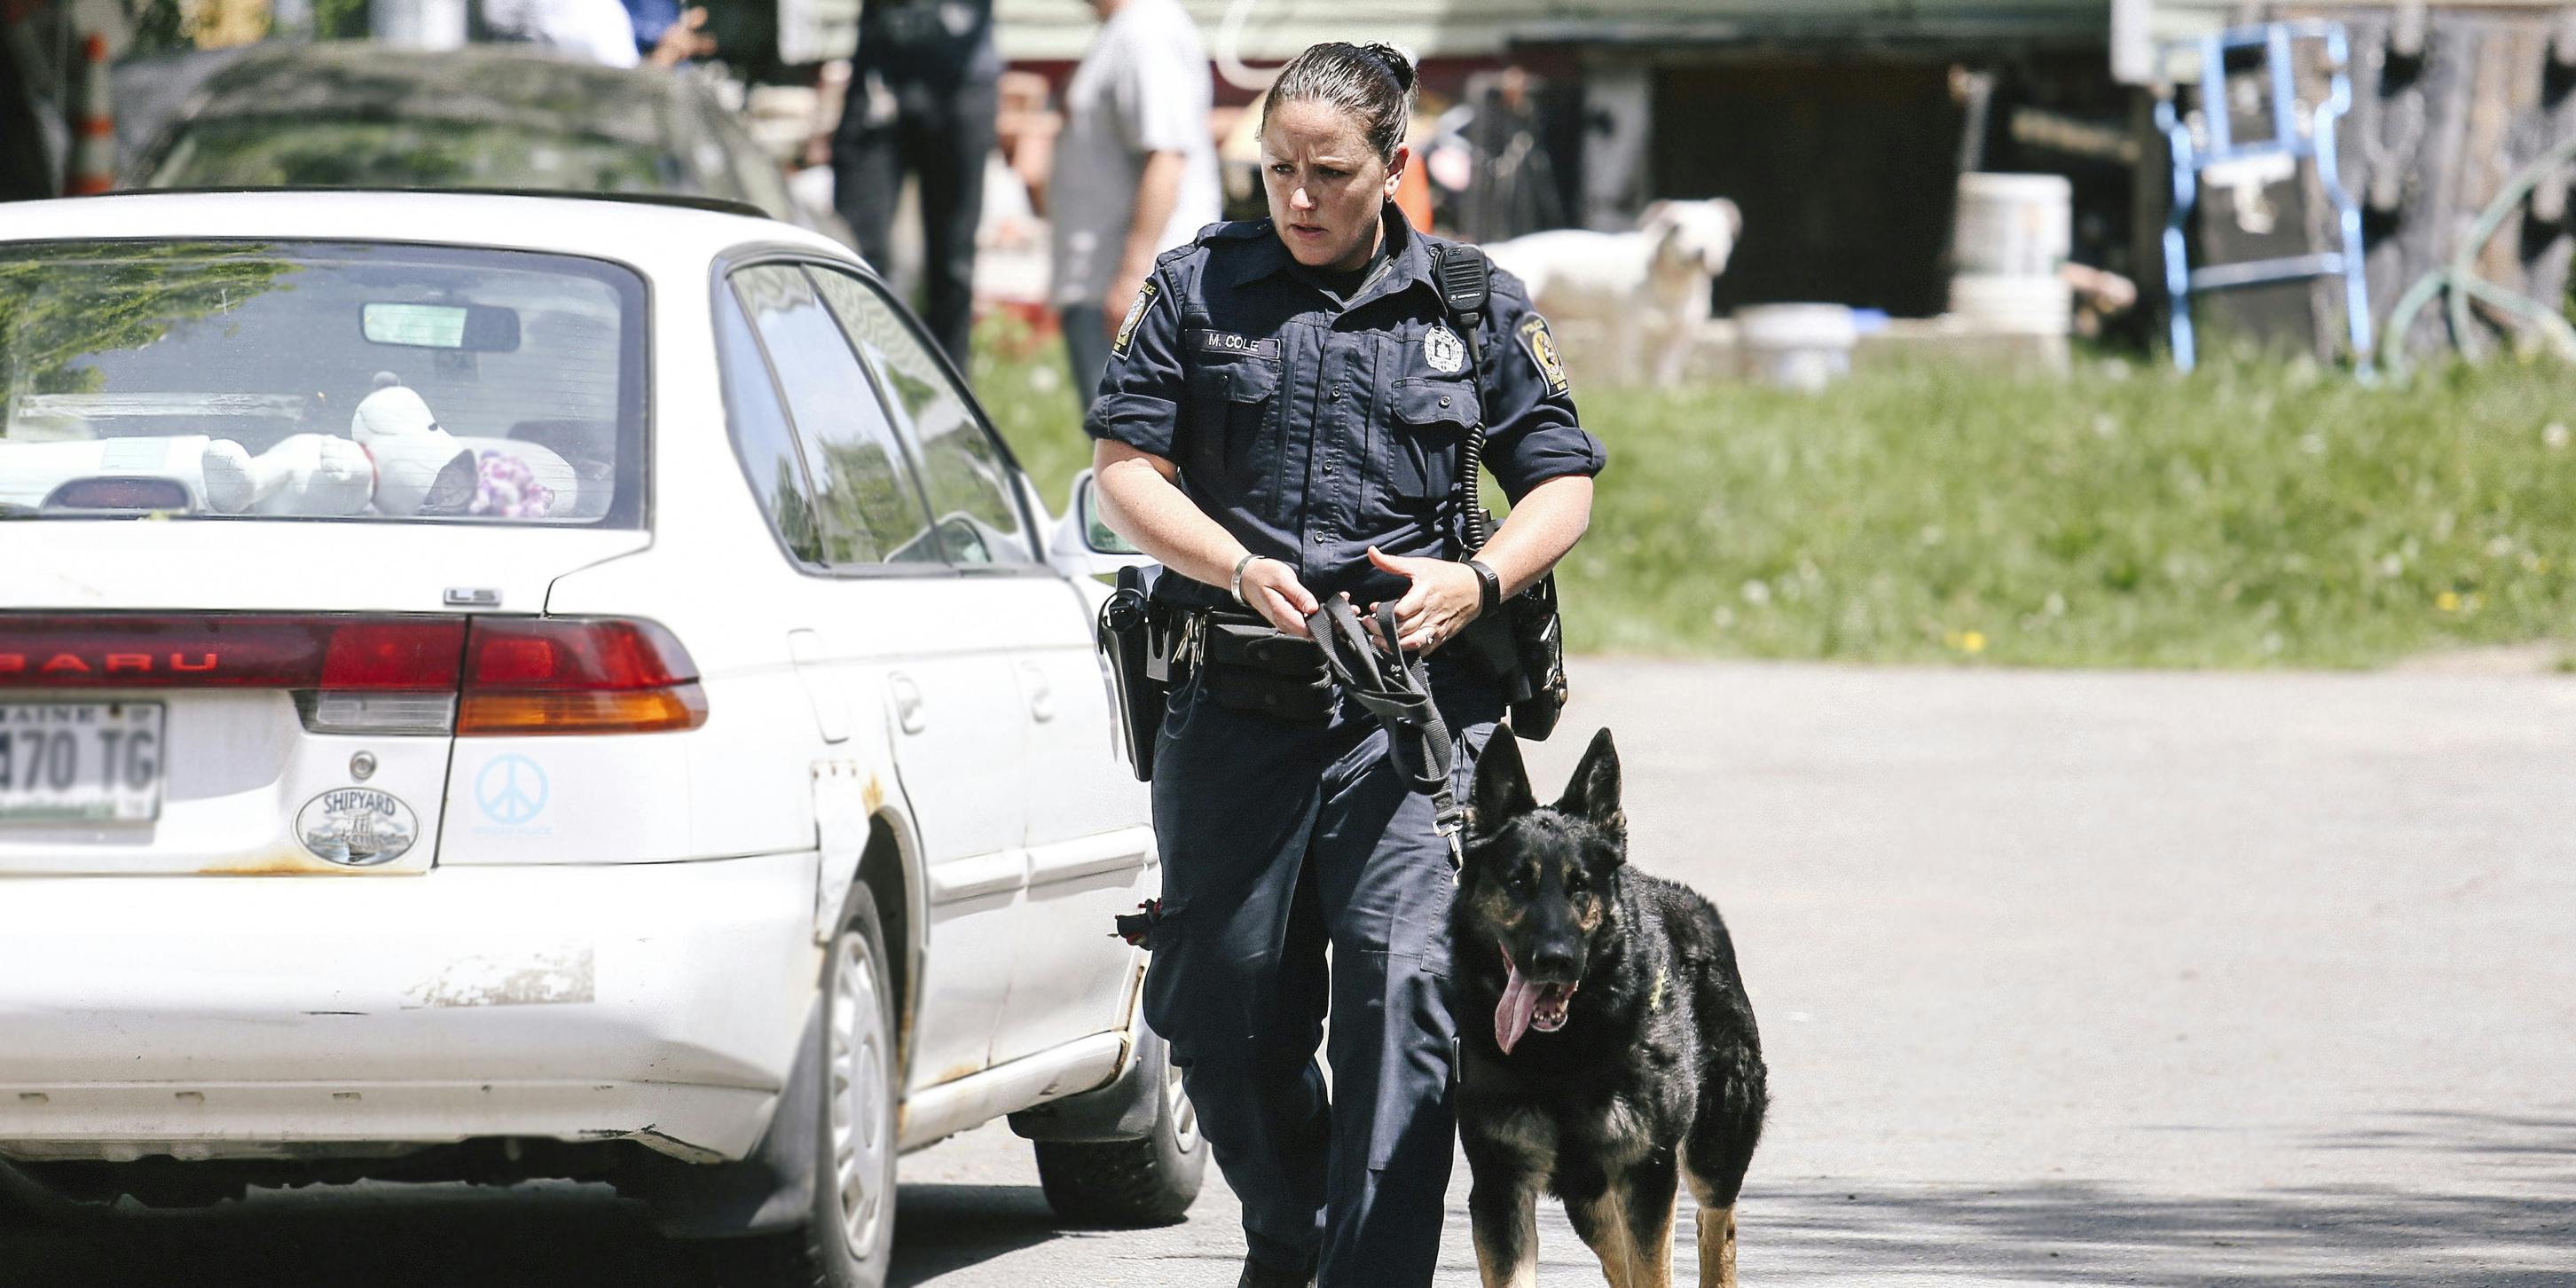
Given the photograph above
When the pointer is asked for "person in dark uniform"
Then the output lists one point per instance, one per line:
(921, 99)
(1281, 419)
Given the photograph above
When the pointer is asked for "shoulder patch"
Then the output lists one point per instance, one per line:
(1135, 314)
(1541, 348)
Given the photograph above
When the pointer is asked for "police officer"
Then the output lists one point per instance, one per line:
(921, 99)
(1281, 419)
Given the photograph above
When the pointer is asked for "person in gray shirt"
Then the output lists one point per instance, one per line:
(1134, 172)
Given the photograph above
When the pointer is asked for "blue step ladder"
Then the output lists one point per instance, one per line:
(2315, 144)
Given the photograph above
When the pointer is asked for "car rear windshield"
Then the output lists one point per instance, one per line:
(313, 380)
(264, 152)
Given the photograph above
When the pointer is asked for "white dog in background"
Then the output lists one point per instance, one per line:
(1643, 292)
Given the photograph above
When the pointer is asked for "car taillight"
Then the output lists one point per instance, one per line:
(230, 650)
(386, 674)
(375, 674)
(558, 675)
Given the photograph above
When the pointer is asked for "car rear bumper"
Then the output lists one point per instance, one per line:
(207, 1017)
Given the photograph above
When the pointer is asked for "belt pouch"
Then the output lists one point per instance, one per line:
(1254, 666)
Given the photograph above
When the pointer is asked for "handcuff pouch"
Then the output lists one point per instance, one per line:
(1247, 664)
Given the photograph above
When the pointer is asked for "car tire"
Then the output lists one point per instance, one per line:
(847, 1238)
(1151, 1181)
(28, 1205)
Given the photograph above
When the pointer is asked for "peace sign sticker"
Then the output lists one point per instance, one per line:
(511, 791)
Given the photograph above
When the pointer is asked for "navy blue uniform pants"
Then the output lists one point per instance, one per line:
(940, 134)
(1278, 841)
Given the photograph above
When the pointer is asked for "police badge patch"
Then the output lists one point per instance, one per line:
(1542, 352)
(1135, 314)
(1442, 348)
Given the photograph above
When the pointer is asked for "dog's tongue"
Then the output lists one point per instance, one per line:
(1520, 1002)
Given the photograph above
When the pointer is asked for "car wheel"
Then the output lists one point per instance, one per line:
(847, 1240)
(28, 1205)
(1151, 1181)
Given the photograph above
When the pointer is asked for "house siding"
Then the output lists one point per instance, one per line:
(1057, 30)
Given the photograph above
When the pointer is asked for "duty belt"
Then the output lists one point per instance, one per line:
(1397, 690)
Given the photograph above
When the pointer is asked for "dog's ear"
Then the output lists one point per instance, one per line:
(1734, 216)
(1502, 790)
(1593, 793)
(1657, 217)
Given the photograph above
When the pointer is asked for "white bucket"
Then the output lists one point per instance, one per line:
(1797, 346)
(2017, 304)
(2013, 224)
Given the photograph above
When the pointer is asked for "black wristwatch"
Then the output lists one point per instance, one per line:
(1493, 597)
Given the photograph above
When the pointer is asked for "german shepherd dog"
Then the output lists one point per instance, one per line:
(1622, 1058)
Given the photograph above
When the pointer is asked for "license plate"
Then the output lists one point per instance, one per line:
(80, 762)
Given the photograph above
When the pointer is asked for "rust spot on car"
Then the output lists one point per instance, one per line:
(284, 863)
(961, 1071)
(558, 976)
(873, 795)
(292, 863)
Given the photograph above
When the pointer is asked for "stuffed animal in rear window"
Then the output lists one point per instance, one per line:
(321, 475)
(420, 468)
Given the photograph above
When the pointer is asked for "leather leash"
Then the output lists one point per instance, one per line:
(1397, 690)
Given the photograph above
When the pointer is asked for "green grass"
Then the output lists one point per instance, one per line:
(2258, 513)
(1025, 389)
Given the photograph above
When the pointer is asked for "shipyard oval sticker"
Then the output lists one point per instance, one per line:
(357, 827)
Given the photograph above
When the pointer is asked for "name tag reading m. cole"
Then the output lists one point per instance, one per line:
(80, 762)
(1228, 342)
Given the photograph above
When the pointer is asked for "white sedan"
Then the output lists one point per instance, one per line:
(499, 687)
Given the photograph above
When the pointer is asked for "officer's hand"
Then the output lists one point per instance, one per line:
(1273, 588)
(1445, 597)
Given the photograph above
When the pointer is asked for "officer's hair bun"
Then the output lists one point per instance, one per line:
(1373, 83)
(1397, 65)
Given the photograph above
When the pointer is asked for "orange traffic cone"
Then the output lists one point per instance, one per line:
(93, 163)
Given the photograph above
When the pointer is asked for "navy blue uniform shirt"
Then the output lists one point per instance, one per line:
(942, 43)
(1313, 431)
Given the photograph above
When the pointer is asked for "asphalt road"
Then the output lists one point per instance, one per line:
(2063, 978)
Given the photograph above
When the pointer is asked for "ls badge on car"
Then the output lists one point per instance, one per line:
(357, 826)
